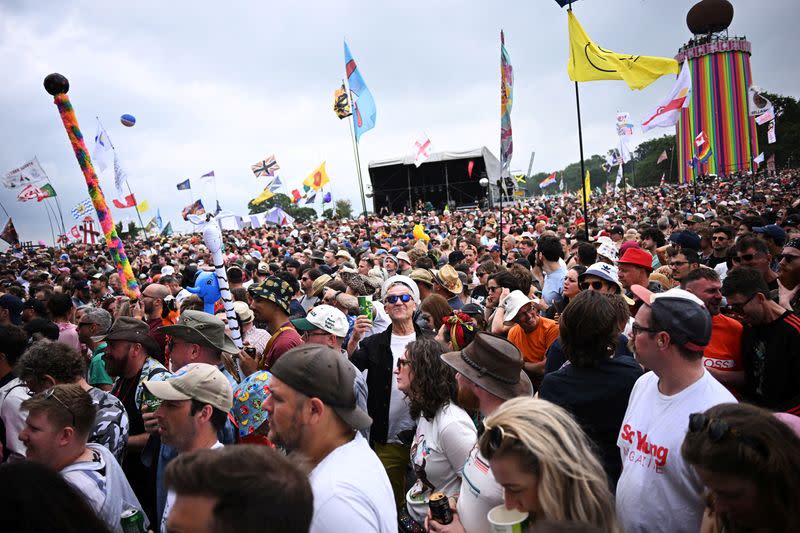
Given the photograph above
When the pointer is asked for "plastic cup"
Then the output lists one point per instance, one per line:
(505, 520)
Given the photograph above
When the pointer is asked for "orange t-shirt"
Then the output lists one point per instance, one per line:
(724, 350)
(534, 345)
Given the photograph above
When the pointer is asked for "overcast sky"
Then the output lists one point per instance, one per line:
(221, 85)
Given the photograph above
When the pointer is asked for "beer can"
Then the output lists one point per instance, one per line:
(150, 400)
(440, 508)
(132, 521)
(365, 306)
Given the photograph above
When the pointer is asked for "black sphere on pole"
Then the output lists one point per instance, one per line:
(56, 84)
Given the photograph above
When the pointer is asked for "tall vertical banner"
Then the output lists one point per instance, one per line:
(363, 105)
(506, 101)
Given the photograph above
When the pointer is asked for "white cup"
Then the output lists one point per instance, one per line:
(506, 520)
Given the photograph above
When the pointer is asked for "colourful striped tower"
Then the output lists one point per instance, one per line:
(721, 74)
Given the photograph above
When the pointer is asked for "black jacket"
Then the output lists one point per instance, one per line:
(375, 354)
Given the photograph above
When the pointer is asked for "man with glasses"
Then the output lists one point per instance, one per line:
(770, 342)
(378, 353)
(682, 261)
(93, 323)
(721, 238)
(670, 332)
(56, 431)
(307, 301)
(789, 275)
(128, 358)
(752, 252)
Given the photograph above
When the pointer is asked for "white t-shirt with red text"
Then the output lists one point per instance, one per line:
(658, 491)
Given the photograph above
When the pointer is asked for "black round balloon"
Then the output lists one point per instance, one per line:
(56, 84)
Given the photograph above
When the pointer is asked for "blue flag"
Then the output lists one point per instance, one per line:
(159, 222)
(182, 186)
(363, 105)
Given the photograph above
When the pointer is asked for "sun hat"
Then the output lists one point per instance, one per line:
(682, 314)
(248, 399)
(199, 327)
(515, 301)
(422, 275)
(447, 277)
(494, 364)
(243, 312)
(602, 271)
(195, 381)
(321, 372)
(274, 289)
(637, 257)
(609, 251)
(127, 328)
(403, 256)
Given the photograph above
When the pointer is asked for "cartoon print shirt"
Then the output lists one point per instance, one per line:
(441, 447)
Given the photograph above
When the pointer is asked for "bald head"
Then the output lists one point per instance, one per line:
(153, 299)
(156, 290)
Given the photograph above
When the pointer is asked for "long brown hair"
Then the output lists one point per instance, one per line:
(433, 383)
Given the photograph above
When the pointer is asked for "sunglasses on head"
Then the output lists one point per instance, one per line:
(51, 393)
(596, 285)
(718, 429)
(392, 299)
(496, 436)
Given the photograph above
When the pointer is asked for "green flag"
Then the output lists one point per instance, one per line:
(47, 191)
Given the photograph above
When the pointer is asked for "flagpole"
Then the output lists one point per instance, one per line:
(583, 167)
(60, 214)
(128, 185)
(52, 235)
(671, 156)
(4, 209)
(357, 158)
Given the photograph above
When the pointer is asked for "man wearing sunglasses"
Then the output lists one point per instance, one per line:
(720, 243)
(56, 431)
(670, 332)
(789, 275)
(770, 342)
(378, 353)
(752, 252)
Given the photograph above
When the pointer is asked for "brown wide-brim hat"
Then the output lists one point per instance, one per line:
(448, 278)
(131, 329)
(493, 364)
(198, 327)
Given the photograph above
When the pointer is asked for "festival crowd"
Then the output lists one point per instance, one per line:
(635, 368)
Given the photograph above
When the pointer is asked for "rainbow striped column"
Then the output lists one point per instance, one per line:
(720, 78)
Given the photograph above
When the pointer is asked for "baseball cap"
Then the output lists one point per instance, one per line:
(320, 372)
(324, 317)
(243, 312)
(681, 314)
(167, 270)
(14, 306)
(196, 381)
(686, 239)
(776, 232)
(402, 280)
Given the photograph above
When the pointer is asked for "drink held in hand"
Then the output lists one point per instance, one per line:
(365, 306)
(440, 508)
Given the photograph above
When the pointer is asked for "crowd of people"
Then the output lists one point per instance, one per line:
(632, 368)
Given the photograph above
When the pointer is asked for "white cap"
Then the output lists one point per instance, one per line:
(515, 301)
(324, 317)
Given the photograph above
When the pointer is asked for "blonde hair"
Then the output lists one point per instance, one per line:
(548, 442)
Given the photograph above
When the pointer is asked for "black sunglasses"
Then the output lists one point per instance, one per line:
(596, 285)
(745, 257)
(392, 299)
(51, 393)
(496, 436)
(402, 362)
(739, 308)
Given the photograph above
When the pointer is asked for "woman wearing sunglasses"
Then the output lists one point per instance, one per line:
(445, 433)
(547, 465)
(749, 462)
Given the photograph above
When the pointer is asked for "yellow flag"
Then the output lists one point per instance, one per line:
(587, 186)
(590, 62)
(317, 179)
(263, 197)
(143, 206)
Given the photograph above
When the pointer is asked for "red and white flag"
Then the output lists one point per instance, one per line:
(662, 157)
(422, 151)
(130, 201)
(669, 109)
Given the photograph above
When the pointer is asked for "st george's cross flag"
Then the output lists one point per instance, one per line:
(669, 109)
(267, 167)
(422, 151)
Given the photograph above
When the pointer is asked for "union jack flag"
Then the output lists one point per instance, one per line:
(266, 167)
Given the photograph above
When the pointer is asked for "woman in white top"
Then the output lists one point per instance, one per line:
(445, 433)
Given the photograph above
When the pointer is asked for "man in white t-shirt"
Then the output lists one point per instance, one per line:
(312, 410)
(490, 371)
(194, 407)
(55, 435)
(658, 491)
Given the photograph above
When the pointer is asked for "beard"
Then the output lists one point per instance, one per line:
(466, 399)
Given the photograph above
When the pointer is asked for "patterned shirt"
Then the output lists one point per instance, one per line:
(110, 423)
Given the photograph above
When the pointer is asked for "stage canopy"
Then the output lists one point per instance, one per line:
(444, 178)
